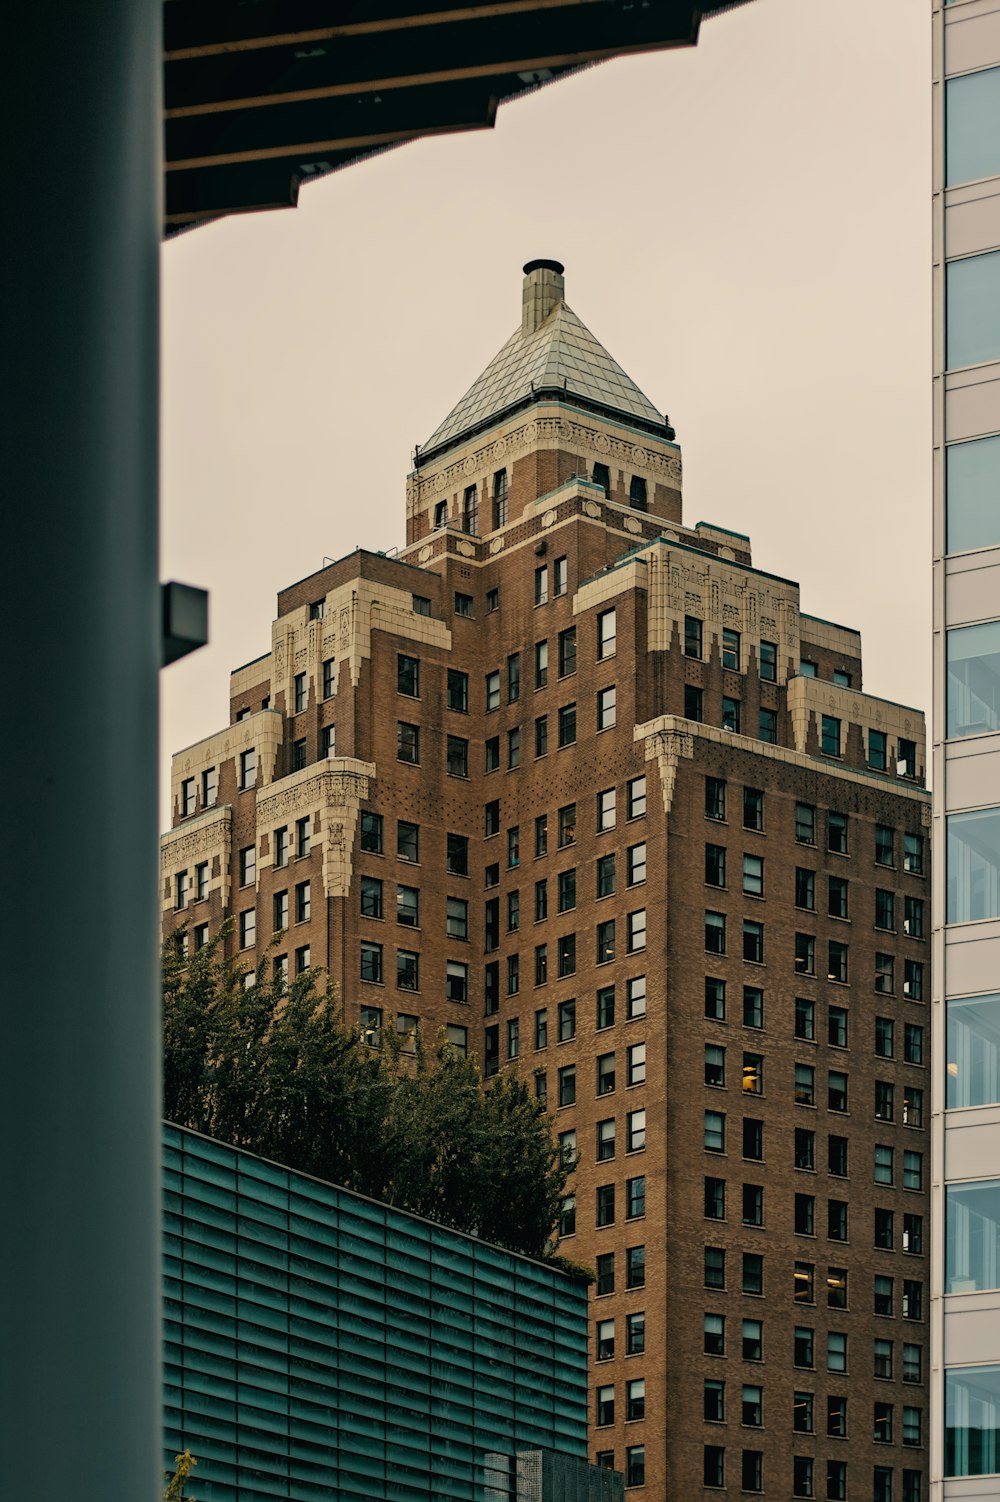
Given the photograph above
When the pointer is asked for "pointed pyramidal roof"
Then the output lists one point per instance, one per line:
(552, 355)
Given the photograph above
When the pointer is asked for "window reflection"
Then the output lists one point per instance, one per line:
(974, 866)
(972, 127)
(973, 309)
(973, 494)
(973, 1070)
(972, 1421)
(974, 679)
(972, 1236)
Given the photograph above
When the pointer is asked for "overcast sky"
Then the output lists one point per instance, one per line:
(744, 225)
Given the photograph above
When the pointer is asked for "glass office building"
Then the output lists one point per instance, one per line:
(320, 1344)
(965, 1448)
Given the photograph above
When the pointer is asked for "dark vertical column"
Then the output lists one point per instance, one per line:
(79, 1076)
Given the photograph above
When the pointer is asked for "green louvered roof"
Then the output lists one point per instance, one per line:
(561, 356)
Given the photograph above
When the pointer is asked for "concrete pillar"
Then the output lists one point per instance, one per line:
(79, 1013)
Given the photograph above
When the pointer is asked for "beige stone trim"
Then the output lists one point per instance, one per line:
(330, 793)
(251, 676)
(817, 633)
(547, 426)
(666, 747)
(344, 633)
(720, 594)
(816, 696)
(261, 731)
(877, 781)
(199, 839)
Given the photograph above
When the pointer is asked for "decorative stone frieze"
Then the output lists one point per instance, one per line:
(206, 837)
(330, 793)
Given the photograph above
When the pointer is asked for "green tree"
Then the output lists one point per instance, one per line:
(183, 1466)
(274, 1068)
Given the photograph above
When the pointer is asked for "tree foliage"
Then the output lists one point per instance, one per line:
(275, 1068)
(183, 1466)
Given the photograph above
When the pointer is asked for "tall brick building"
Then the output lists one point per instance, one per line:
(578, 784)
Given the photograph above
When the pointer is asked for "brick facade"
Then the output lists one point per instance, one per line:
(577, 934)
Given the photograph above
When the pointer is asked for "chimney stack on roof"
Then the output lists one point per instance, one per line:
(544, 288)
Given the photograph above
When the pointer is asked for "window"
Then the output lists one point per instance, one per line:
(371, 901)
(883, 1294)
(457, 858)
(803, 1283)
(753, 875)
(541, 736)
(201, 881)
(715, 933)
(635, 931)
(715, 1267)
(913, 917)
(805, 889)
(884, 1037)
(805, 954)
(607, 699)
(753, 1205)
(803, 1405)
(604, 1345)
(912, 1486)
(753, 941)
(605, 1269)
(913, 1234)
(714, 1335)
(836, 897)
(753, 1340)
(371, 963)
(407, 742)
(635, 798)
(566, 832)
(458, 691)
(805, 1018)
(605, 941)
(492, 600)
(248, 769)
(492, 691)
(605, 1007)
(299, 755)
(715, 865)
(830, 735)
(836, 833)
(715, 1132)
(605, 1407)
(371, 835)
(329, 677)
(884, 1163)
(303, 836)
(181, 887)
(714, 1405)
(714, 1466)
(513, 847)
(803, 1352)
(715, 1065)
(730, 715)
(637, 493)
(836, 1090)
(567, 1085)
(913, 1169)
(694, 703)
(836, 1156)
(805, 823)
(883, 1358)
(885, 909)
(188, 797)
(752, 1412)
(567, 725)
(407, 840)
(541, 900)
(407, 676)
(913, 1106)
(836, 1026)
(768, 661)
(607, 634)
(209, 787)
(463, 604)
(912, 1363)
(635, 997)
(805, 1148)
(636, 1064)
(753, 1006)
(407, 970)
(883, 1424)
(715, 998)
(605, 1203)
(885, 967)
(566, 955)
(730, 649)
(514, 976)
(913, 854)
(458, 757)
(635, 1197)
(884, 845)
(807, 668)
(541, 964)
(635, 1267)
(500, 492)
(692, 637)
(753, 1139)
(560, 577)
(805, 1215)
(767, 726)
(303, 901)
(715, 1199)
(456, 982)
(884, 1229)
(635, 1398)
(836, 964)
(882, 1483)
(715, 798)
(541, 584)
(491, 760)
(836, 1220)
(802, 1476)
(805, 1085)
(913, 1299)
(753, 1273)
(635, 1465)
(878, 750)
(541, 663)
(753, 808)
(913, 980)
(753, 1074)
(567, 652)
